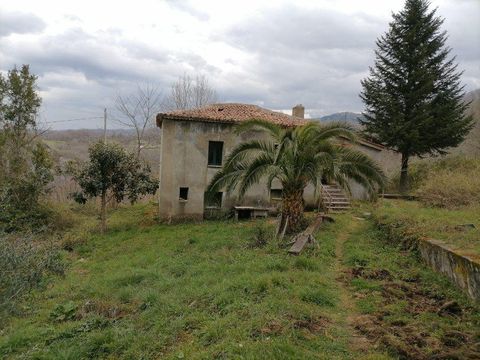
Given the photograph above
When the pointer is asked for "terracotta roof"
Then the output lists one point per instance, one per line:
(236, 113)
(230, 113)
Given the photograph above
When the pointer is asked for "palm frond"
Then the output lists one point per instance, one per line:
(272, 129)
(296, 157)
(258, 168)
(241, 151)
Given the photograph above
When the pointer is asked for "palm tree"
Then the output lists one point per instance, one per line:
(296, 156)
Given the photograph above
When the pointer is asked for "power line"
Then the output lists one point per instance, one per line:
(78, 119)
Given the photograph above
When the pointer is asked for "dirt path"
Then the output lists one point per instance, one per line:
(358, 343)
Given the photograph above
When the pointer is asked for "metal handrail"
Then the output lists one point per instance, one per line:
(330, 199)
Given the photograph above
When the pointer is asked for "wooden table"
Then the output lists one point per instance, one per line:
(250, 212)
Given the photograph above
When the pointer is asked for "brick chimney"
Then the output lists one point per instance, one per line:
(298, 111)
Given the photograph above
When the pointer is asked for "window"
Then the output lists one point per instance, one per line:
(183, 193)
(213, 200)
(275, 194)
(215, 152)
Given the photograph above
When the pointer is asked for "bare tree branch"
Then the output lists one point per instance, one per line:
(137, 110)
(189, 93)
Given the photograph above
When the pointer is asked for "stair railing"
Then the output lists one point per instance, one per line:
(329, 196)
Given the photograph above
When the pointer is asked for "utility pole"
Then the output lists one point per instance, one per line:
(105, 125)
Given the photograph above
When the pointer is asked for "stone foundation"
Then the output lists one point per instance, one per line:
(462, 270)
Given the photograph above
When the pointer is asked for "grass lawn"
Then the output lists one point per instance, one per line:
(199, 291)
(437, 223)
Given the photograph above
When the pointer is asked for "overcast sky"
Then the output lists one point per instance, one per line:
(270, 53)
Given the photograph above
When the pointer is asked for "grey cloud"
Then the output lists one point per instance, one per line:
(318, 57)
(293, 55)
(312, 57)
(19, 23)
(105, 58)
(301, 31)
(188, 8)
(79, 72)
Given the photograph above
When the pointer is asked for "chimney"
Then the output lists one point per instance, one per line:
(298, 111)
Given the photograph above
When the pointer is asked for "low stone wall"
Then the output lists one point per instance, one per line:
(462, 270)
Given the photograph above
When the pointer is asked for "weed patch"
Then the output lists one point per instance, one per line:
(318, 297)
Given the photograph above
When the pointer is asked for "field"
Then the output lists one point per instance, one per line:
(203, 291)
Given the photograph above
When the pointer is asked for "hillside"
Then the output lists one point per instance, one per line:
(471, 145)
(73, 144)
(342, 116)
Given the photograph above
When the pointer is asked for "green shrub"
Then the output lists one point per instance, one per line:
(260, 235)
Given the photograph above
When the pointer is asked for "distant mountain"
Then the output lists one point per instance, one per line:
(342, 116)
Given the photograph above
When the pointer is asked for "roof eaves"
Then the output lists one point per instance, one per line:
(161, 117)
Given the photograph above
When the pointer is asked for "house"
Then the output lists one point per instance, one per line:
(194, 144)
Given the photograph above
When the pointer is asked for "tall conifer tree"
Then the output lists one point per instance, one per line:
(413, 95)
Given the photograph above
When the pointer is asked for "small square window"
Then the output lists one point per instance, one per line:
(275, 194)
(215, 153)
(183, 193)
(213, 200)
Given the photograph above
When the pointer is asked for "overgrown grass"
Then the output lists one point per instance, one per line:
(399, 302)
(199, 291)
(183, 291)
(440, 224)
(24, 264)
(449, 182)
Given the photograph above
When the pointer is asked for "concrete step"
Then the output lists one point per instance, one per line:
(339, 207)
(335, 199)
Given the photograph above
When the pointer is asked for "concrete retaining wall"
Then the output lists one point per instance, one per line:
(462, 270)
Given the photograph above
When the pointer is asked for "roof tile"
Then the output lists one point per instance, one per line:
(231, 113)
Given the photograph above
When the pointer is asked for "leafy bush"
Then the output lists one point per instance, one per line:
(112, 172)
(23, 267)
(22, 190)
(25, 162)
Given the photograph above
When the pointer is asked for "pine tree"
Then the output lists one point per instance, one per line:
(413, 95)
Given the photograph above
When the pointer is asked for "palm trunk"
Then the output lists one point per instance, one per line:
(404, 174)
(103, 213)
(292, 209)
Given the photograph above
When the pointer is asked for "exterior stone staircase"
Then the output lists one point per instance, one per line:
(335, 198)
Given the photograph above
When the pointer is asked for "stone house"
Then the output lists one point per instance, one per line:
(194, 144)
